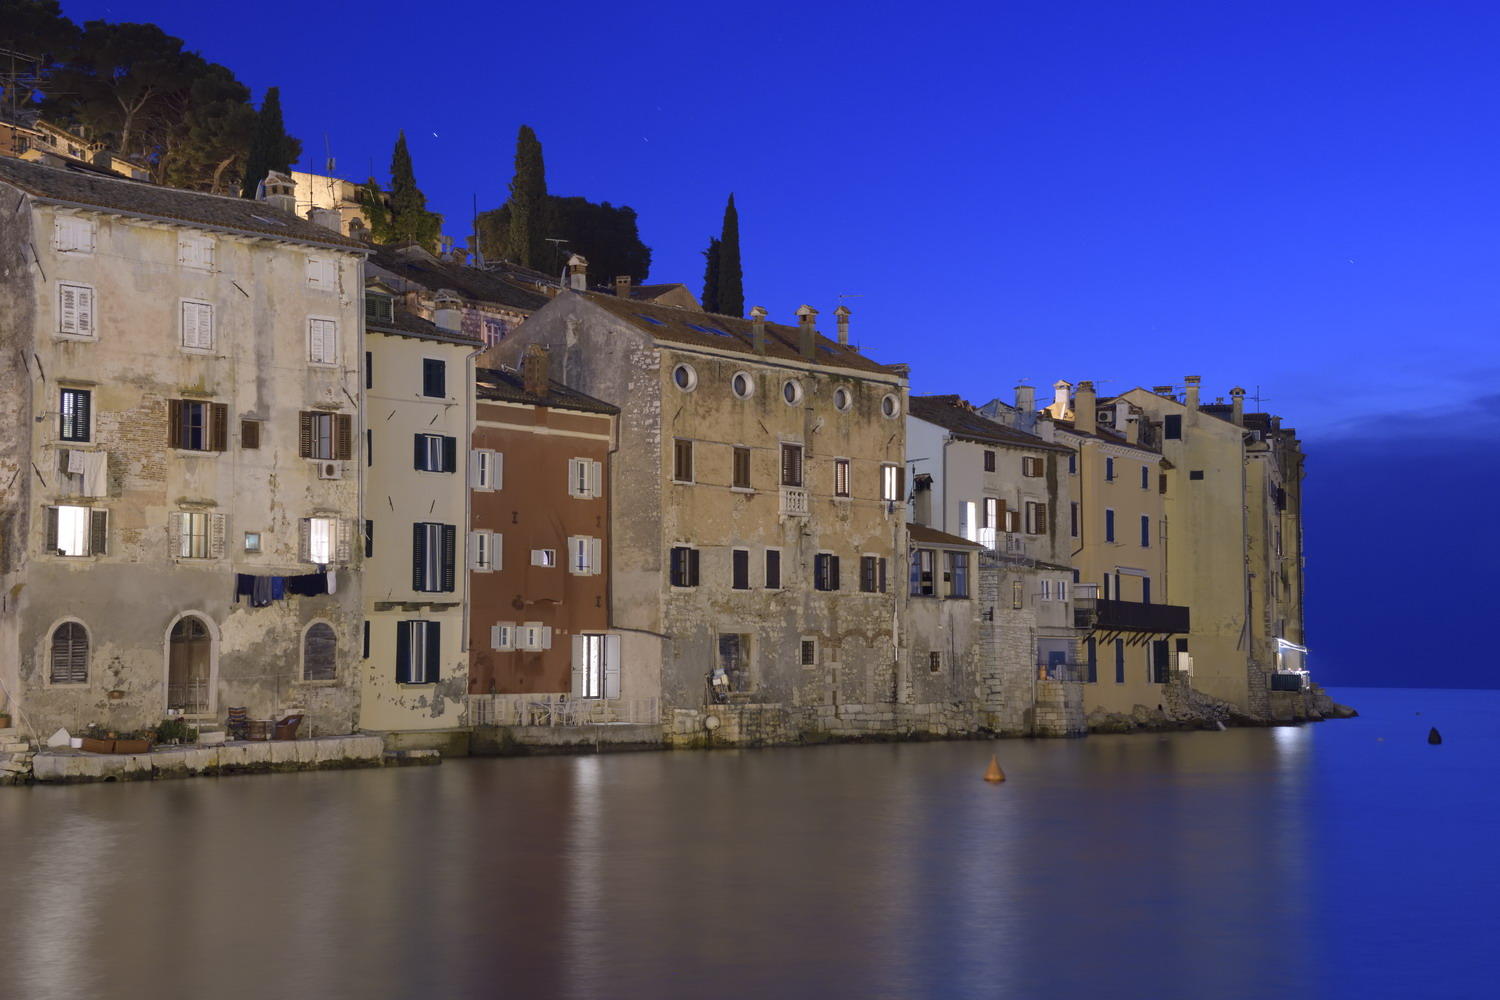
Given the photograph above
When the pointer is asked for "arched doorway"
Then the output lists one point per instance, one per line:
(189, 661)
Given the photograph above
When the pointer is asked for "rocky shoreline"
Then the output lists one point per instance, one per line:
(1186, 709)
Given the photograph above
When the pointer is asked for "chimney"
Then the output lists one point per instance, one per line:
(535, 370)
(842, 315)
(1164, 390)
(758, 328)
(1084, 411)
(328, 218)
(1026, 399)
(1237, 406)
(448, 311)
(578, 273)
(1059, 406)
(622, 285)
(278, 191)
(1192, 390)
(807, 327)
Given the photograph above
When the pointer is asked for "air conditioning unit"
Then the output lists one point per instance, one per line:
(1105, 417)
(330, 470)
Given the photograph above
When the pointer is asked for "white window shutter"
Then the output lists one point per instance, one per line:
(497, 470)
(495, 637)
(536, 557)
(596, 474)
(612, 666)
(578, 647)
(596, 562)
(216, 536)
(85, 320)
(497, 560)
(472, 550)
(573, 566)
(475, 457)
(314, 340)
(174, 533)
(572, 477)
(304, 540)
(546, 637)
(67, 298)
(343, 531)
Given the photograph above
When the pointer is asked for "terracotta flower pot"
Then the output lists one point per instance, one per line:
(132, 746)
(98, 746)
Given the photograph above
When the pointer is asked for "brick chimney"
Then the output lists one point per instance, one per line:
(1026, 399)
(622, 285)
(758, 328)
(536, 367)
(1237, 406)
(807, 328)
(1084, 408)
(328, 218)
(1191, 398)
(278, 191)
(578, 273)
(842, 315)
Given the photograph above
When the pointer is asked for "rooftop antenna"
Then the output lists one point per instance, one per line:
(478, 253)
(557, 255)
(1258, 397)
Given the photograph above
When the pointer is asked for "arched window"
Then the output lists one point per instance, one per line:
(189, 665)
(70, 654)
(319, 653)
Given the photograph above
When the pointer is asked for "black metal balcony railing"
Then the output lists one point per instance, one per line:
(1062, 672)
(1129, 616)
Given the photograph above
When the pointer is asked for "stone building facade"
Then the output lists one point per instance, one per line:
(184, 374)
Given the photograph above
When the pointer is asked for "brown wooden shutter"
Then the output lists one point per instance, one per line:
(343, 436)
(216, 536)
(900, 484)
(249, 433)
(174, 423)
(219, 427)
(305, 435)
(98, 532)
(51, 543)
(1041, 520)
(1002, 516)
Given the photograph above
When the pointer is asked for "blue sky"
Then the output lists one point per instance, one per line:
(1299, 197)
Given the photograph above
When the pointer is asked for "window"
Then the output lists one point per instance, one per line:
(1109, 525)
(432, 557)
(842, 399)
(791, 391)
(252, 541)
(741, 468)
(840, 477)
(923, 576)
(739, 572)
(250, 434)
(322, 273)
(379, 307)
(1195, 474)
(584, 556)
(545, 558)
(585, 479)
(791, 465)
(1109, 470)
(322, 342)
(1072, 463)
(195, 251)
(1172, 426)
(890, 407)
(326, 435)
(434, 453)
(1119, 661)
(197, 326)
(485, 469)
(825, 571)
(503, 636)
(1036, 518)
(892, 485)
(935, 661)
(685, 378)
(484, 551)
(494, 331)
(75, 234)
(809, 652)
(1145, 477)
(434, 377)
(734, 662)
(989, 460)
(684, 566)
(682, 460)
(534, 636)
(968, 520)
(773, 569)
(369, 370)
(958, 574)
(369, 538)
(596, 666)
(365, 652)
(1073, 518)
(1145, 531)
(197, 426)
(75, 311)
(1046, 589)
(1017, 597)
(69, 657)
(872, 574)
(1145, 590)
(1093, 659)
(1062, 590)
(418, 651)
(992, 508)
(73, 409)
(197, 534)
(319, 653)
(742, 385)
(1033, 467)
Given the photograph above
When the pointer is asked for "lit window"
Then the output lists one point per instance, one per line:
(321, 534)
(890, 482)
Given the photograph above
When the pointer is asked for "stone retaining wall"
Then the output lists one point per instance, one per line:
(327, 752)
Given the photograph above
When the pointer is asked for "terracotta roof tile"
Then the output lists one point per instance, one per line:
(958, 417)
(920, 534)
(504, 385)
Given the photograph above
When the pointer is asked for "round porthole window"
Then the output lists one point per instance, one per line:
(890, 406)
(791, 391)
(685, 378)
(842, 399)
(742, 385)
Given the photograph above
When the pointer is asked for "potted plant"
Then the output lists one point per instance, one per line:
(135, 742)
(172, 731)
(97, 739)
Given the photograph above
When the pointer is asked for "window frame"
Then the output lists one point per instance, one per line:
(843, 478)
(64, 392)
(740, 462)
(91, 312)
(52, 679)
(331, 358)
(302, 673)
(923, 573)
(196, 251)
(429, 367)
(183, 306)
(957, 575)
(793, 475)
(60, 223)
(682, 460)
(684, 563)
(766, 565)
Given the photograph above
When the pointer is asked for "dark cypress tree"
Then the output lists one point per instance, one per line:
(730, 287)
(711, 276)
(410, 220)
(526, 243)
(270, 147)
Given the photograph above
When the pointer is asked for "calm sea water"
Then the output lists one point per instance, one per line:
(1342, 859)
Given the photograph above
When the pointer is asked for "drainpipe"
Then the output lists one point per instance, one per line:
(471, 409)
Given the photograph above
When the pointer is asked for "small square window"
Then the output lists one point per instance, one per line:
(252, 541)
(546, 558)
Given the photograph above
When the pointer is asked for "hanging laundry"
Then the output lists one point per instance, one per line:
(333, 582)
(260, 592)
(75, 462)
(307, 585)
(95, 473)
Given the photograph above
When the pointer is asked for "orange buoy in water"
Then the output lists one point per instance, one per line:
(993, 772)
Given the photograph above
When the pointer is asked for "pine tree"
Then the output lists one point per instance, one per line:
(526, 243)
(711, 276)
(729, 288)
(270, 147)
(410, 222)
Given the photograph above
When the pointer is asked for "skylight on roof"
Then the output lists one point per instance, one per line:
(651, 319)
(269, 222)
(711, 330)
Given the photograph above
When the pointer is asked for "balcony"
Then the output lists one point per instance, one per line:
(1128, 616)
(794, 502)
(1010, 542)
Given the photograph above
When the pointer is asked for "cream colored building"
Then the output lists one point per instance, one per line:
(319, 193)
(179, 455)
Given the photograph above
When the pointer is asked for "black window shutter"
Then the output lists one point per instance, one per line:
(369, 538)
(833, 572)
(51, 545)
(82, 401)
(773, 570)
(418, 452)
(450, 535)
(367, 640)
(882, 574)
(369, 372)
(450, 454)
(403, 652)
(1093, 653)
(418, 555)
(434, 652)
(98, 532)
(692, 567)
